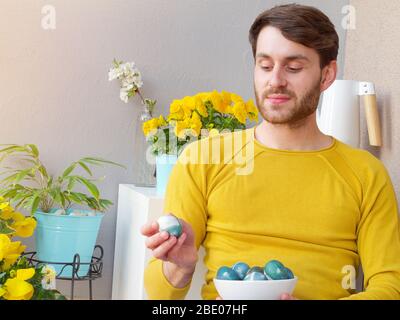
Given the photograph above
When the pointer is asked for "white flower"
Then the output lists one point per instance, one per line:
(130, 78)
(49, 277)
(137, 80)
(115, 73)
(128, 68)
(124, 92)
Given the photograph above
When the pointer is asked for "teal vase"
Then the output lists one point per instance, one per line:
(59, 237)
(164, 166)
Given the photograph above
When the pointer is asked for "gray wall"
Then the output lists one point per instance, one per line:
(54, 90)
(372, 54)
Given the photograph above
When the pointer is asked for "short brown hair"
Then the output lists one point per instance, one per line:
(302, 24)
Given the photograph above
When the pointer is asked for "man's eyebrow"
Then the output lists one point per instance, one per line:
(288, 58)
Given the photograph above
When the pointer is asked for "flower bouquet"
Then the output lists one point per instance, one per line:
(191, 118)
(195, 117)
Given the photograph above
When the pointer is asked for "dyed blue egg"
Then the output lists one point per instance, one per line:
(171, 224)
(289, 274)
(241, 269)
(275, 270)
(255, 276)
(226, 273)
(255, 273)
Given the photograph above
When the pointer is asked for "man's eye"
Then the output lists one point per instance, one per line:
(294, 69)
(265, 68)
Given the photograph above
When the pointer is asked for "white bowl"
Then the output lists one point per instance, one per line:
(254, 290)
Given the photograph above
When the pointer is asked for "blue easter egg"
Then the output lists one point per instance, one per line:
(255, 273)
(226, 273)
(171, 224)
(241, 269)
(290, 274)
(275, 270)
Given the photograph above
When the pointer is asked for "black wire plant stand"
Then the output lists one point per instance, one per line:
(95, 268)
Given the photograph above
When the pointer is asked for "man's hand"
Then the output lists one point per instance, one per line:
(287, 296)
(179, 254)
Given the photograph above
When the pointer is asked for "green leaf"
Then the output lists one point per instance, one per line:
(84, 166)
(43, 171)
(100, 161)
(91, 187)
(35, 203)
(12, 148)
(56, 195)
(22, 174)
(75, 198)
(5, 228)
(62, 199)
(34, 149)
(69, 170)
(49, 182)
(71, 183)
(10, 179)
(105, 203)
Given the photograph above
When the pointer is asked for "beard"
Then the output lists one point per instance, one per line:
(288, 113)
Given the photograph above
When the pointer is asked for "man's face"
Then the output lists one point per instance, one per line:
(287, 78)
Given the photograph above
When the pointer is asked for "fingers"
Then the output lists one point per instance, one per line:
(156, 240)
(181, 240)
(149, 229)
(162, 250)
(286, 296)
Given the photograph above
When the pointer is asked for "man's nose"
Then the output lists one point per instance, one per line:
(277, 78)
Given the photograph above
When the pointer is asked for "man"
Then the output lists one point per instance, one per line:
(316, 204)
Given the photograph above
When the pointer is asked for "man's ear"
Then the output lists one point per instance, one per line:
(328, 75)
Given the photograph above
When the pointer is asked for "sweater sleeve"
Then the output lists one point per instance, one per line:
(185, 198)
(378, 239)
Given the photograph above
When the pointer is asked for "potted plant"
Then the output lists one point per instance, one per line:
(194, 117)
(63, 227)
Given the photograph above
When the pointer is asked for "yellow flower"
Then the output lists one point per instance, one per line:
(2, 291)
(239, 111)
(150, 126)
(6, 211)
(236, 98)
(24, 228)
(189, 104)
(252, 110)
(9, 251)
(226, 97)
(4, 204)
(217, 101)
(4, 244)
(200, 106)
(17, 289)
(195, 124)
(161, 121)
(176, 110)
(25, 274)
(203, 96)
(180, 128)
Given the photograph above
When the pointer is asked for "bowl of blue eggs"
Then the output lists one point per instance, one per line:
(242, 282)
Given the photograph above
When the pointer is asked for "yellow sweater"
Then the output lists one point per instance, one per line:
(318, 212)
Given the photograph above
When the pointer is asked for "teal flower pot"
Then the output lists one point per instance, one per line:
(164, 165)
(59, 237)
